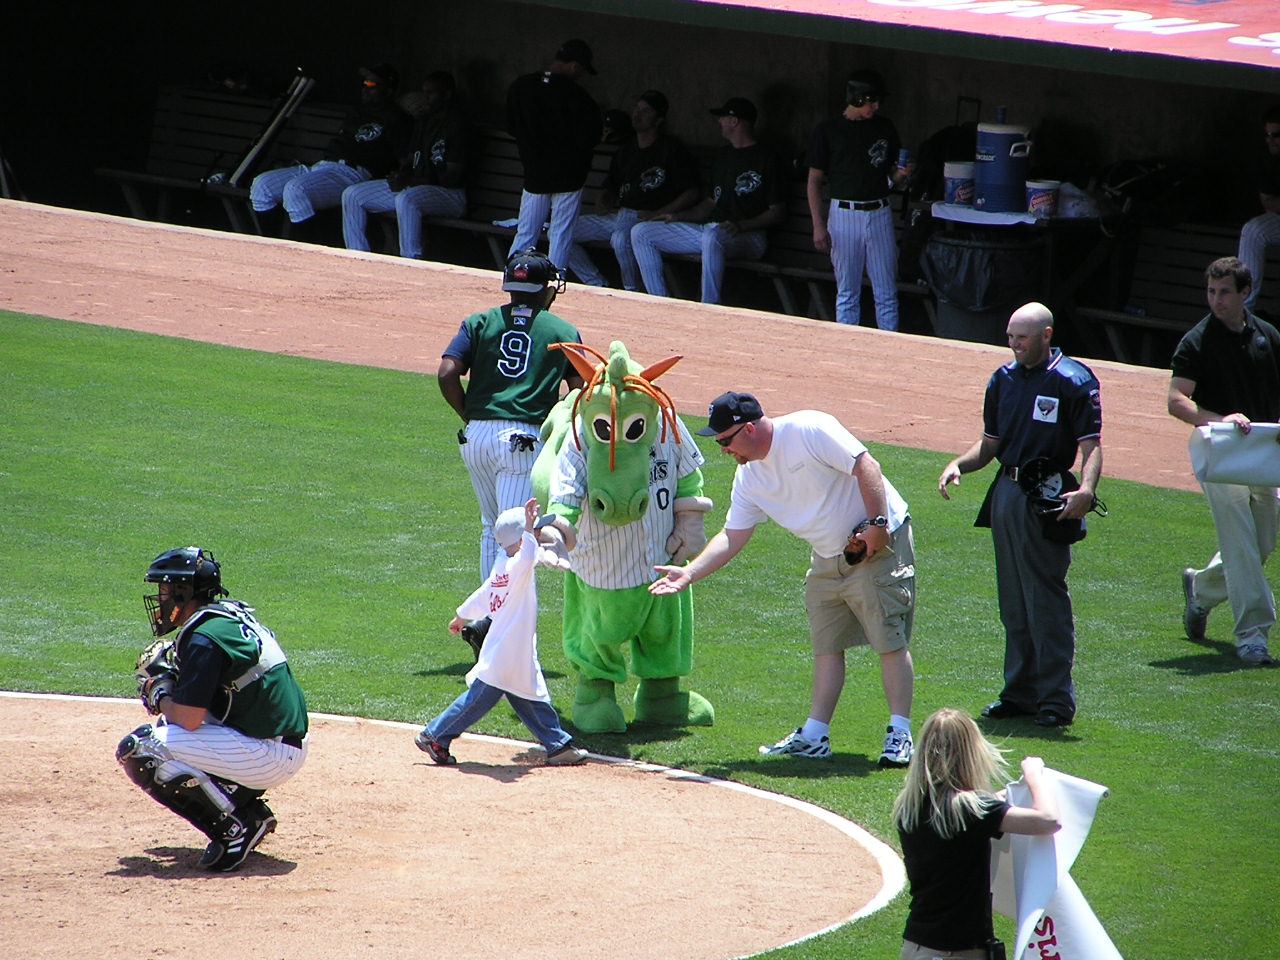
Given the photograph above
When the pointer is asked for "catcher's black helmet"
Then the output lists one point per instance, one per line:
(192, 573)
(530, 271)
(865, 85)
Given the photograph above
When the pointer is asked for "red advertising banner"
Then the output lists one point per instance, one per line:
(1243, 32)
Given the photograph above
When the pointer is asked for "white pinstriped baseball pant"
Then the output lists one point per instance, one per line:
(227, 753)
(304, 189)
(499, 472)
(650, 240)
(1255, 236)
(535, 209)
(864, 238)
(614, 227)
(410, 205)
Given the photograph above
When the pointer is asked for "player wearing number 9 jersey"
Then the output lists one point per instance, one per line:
(513, 382)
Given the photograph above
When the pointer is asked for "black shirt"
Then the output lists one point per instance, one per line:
(951, 881)
(858, 156)
(746, 181)
(647, 178)
(1044, 411)
(556, 125)
(372, 137)
(1232, 372)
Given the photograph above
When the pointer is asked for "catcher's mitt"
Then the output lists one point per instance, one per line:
(474, 631)
(157, 673)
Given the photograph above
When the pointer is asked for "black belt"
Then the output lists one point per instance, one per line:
(293, 741)
(1010, 472)
(862, 205)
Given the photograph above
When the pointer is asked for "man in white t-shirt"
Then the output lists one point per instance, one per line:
(811, 476)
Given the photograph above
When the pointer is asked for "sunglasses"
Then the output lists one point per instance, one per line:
(725, 441)
(857, 102)
(1272, 136)
(371, 83)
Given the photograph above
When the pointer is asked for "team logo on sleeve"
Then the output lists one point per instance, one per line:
(749, 181)
(1046, 410)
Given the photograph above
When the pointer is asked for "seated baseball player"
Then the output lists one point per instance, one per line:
(231, 721)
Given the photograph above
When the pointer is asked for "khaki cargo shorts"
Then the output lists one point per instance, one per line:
(872, 602)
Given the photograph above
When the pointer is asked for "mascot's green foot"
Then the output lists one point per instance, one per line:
(662, 702)
(595, 708)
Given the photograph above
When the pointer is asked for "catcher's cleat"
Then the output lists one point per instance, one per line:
(241, 834)
(794, 745)
(474, 632)
(898, 748)
(434, 749)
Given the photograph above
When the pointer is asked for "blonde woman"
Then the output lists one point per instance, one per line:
(946, 815)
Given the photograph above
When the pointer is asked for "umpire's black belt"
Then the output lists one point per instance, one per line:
(1009, 471)
(862, 205)
(292, 741)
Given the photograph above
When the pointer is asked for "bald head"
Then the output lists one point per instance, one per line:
(1030, 330)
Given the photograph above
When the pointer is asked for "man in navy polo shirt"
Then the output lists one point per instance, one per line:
(1042, 404)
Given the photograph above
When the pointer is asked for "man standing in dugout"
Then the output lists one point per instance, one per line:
(231, 721)
(1042, 408)
(1226, 369)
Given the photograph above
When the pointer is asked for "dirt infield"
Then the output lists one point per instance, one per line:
(360, 862)
(381, 852)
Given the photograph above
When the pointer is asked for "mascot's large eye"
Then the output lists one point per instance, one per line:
(601, 428)
(634, 426)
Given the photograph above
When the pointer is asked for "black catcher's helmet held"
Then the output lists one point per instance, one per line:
(865, 85)
(192, 574)
(531, 271)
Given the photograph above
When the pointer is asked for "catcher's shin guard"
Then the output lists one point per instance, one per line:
(192, 794)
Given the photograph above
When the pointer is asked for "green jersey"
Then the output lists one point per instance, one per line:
(256, 693)
(513, 376)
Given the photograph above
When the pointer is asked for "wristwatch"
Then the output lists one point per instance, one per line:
(879, 522)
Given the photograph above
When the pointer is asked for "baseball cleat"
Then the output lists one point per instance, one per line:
(1000, 710)
(242, 835)
(898, 748)
(567, 756)
(434, 749)
(794, 745)
(1194, 617)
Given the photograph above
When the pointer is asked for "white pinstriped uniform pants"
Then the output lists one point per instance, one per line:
(1255, 236)
(535, 208)
(410, 205)
(864, 239)
(614, 227)
(651, 240)
(499, 471)
(227, 753)
(304, 189)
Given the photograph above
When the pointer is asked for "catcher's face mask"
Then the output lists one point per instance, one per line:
(164, 607)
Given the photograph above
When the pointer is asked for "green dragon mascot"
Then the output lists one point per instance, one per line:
(620, 478)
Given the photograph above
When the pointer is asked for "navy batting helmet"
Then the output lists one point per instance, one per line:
(530, 271)
(192, 574)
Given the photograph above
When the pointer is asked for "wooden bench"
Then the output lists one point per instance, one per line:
(198, 135)
(1165, 296)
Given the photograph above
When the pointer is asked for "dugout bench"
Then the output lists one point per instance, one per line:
(199, 134)
(1164, 295)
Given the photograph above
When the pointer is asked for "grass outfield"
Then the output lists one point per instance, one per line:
(334, 496)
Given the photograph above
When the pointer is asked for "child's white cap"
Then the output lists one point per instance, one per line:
(509, 527)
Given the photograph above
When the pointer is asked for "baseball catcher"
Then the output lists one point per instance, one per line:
(231, 721)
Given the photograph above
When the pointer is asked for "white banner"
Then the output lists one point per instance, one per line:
(1031, 882)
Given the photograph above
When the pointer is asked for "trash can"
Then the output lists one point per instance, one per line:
(980, 277)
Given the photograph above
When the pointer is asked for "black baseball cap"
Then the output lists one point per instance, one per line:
(728, 410)
(739, 107)
(656, 99)
(576, 51)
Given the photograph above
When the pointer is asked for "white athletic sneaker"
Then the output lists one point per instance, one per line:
(897, 748)
(569, 755)
(794, 745)
(1254, 654)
